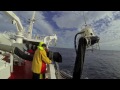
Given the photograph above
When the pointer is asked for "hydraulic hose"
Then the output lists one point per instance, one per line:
(77, 72)
(75, 41)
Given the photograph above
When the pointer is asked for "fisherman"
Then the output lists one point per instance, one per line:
(39, 62)
(31, 51)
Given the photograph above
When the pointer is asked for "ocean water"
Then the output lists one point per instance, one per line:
(99, 64)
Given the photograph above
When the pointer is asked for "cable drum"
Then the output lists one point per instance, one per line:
(55, 56)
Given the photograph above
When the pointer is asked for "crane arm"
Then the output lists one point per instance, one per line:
(15, 19)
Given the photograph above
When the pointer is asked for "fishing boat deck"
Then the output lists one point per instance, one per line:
(22, 72)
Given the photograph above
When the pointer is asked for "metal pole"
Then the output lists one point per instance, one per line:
(31, 25)
(11, 62)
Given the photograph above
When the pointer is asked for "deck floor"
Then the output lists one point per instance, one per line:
(22, 72)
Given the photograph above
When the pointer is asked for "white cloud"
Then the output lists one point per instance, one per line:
(112, 32)
(44, 26)
(66, 38)
(110, 37)
(70, 19)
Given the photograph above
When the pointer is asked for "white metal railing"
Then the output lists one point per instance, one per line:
(6, 68)
(51, 73)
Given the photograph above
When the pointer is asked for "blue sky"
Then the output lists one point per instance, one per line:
(106, 24)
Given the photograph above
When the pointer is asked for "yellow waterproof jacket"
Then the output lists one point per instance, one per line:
(37, 60)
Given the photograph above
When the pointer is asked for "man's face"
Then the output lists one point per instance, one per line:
(44, 47)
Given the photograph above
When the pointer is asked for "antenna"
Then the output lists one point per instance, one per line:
(84, 18)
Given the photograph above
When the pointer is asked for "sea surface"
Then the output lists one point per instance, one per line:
(99, 64)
